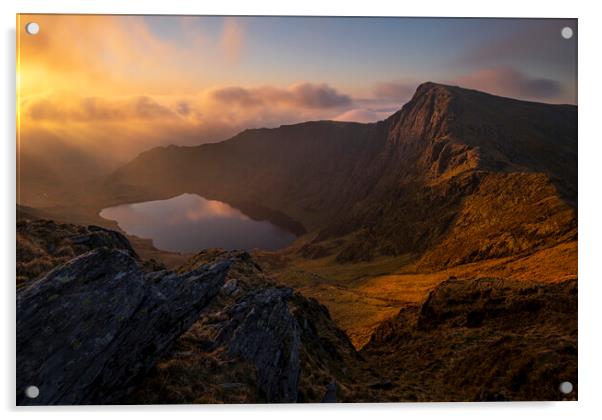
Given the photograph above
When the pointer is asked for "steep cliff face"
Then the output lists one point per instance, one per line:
(387, 188)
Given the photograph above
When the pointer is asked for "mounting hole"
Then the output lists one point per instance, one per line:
(566, 32)
(565, 387)
(32, 392)
(32, 28)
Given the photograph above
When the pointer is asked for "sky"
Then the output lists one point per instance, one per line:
(128, 83)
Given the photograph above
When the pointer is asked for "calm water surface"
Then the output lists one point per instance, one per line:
(189, 223)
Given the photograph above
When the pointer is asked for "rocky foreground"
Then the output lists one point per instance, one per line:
(103, 327)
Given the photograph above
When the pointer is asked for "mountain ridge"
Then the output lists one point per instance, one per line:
(385, 188)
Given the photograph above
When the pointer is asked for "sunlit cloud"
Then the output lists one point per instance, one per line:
(304, 95)
(123, 126)
(96, 109)
(232, 39)
(112, 86)
(102, 55)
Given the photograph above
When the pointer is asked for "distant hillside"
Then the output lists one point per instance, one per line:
(450, 158)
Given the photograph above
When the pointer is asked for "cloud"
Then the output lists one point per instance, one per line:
(507, 81)
(239, 96)
(304, 95)
(539, 41)
(146, 107)
(236, 107)
(102, 55)
(232, 39)
(183, 108)
(117, 85)
(122, 126)
(318, 96)
(62, 109)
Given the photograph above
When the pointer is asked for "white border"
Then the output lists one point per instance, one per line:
(590, 165)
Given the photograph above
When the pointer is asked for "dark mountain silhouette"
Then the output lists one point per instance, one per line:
(408, 184)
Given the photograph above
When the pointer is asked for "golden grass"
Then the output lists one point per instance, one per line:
(550, 265)
(360, 296)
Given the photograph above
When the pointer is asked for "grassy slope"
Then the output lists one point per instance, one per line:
(361, 295)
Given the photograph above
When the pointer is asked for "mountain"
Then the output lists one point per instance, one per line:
(105, 327)
(130, 332)
(93, 325)
(455, 176)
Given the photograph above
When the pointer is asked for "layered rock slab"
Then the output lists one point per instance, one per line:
(88, 329)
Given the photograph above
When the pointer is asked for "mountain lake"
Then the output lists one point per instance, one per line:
(189, 223)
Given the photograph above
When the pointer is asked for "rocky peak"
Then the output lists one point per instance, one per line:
(433, 88)
(425, 116)
(43, 244)
(88, 329)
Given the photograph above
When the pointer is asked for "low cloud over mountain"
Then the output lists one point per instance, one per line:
(304, 95)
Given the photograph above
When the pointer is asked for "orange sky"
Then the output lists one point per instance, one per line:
(90, 80)
(128, 83)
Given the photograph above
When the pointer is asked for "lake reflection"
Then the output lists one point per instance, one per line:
(189, 223)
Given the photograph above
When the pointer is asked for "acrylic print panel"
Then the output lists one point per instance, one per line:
(295, 209)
